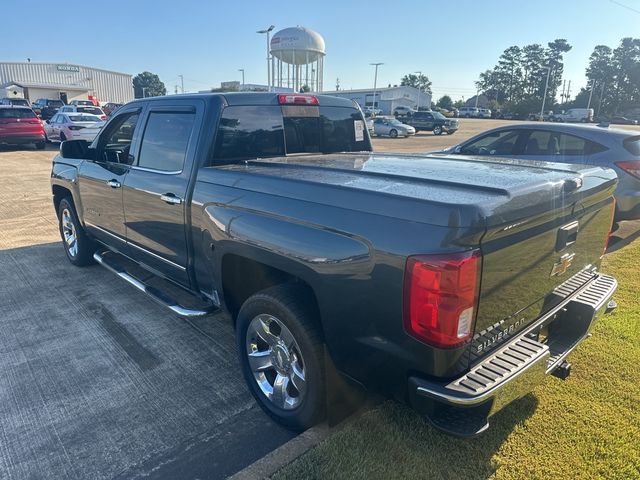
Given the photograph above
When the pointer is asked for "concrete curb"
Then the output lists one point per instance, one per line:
(294, 448)
(285, 454)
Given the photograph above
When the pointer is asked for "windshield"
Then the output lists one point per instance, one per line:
(55, 103)
(16, 113)
(84, 118)
(19, 101)
(395, 122)
(439, 116)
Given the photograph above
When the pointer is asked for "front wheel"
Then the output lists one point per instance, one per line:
(451, 132)
(281, 353)
(77, 245)
(437, 130)
(393, 133)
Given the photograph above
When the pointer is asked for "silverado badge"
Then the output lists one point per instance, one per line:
(562, 265)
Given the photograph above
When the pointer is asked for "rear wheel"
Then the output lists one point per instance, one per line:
(281, 352)
(63, 137)
(437, 130)
(393, 133)
(77, 245)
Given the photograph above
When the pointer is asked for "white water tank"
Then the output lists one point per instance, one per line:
(297, 45)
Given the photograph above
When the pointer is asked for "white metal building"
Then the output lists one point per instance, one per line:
(387, 99)
(64, 81)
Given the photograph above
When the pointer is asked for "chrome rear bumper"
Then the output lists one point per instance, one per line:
(513, 370)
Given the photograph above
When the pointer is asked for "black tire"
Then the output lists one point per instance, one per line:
(467, 116)
(451, 132)
(437, 130)
(83, 254)
(393, 133)
(40, 145)
(63, 137)
(290, 305)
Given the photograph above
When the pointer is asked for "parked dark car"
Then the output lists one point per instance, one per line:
(617, 120)
(454, 284)
(432, 122)
(111, 107)
(46, 108)
(20, 102)
(568, 143)
(20, 126)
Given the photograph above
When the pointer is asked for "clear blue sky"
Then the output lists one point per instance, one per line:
(207, 42)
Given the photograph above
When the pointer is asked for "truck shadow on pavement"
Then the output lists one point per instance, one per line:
(100, 382)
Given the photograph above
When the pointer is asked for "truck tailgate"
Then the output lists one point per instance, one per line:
(527, 257)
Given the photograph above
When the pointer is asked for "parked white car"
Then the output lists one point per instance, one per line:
(90, 109)
(484, 113)
(583, 115)
(88, 103)
(392, 127)
(72, 126)
(468, 112)
(402, 110)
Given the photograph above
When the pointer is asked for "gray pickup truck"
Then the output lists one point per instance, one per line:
(450, 284)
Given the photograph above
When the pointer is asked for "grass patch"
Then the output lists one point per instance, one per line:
(585, 427)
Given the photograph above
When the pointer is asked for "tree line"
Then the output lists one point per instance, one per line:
(517, 82)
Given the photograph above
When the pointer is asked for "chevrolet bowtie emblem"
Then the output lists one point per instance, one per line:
(562, 265)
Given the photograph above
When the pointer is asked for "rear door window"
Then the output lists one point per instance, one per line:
(632, 145)
(165, 141)
(550, 143)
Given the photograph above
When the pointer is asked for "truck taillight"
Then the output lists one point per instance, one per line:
(286, 99)
(632, 167)
(441, 297)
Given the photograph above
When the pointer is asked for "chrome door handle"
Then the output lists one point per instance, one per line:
(114, 184)
(171, 198)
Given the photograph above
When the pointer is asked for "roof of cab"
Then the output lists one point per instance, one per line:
(251, 98)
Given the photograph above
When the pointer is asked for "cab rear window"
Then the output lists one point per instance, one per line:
(247, 132)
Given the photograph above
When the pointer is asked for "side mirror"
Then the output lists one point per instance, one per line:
(47, 121)
(75, 149)
(457, 149)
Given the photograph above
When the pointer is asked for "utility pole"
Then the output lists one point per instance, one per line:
(600, 102)
(337, 84)
(568, 94)
(181, 83)
(419, 72)
(593, 83)
(144, 92)
(268, 31)
(375, 84)
(564, 84)
(544, 97)
(175, 90)
(242, 70)
(477, 95)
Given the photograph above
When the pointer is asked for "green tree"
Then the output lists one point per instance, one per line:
(420, 82)
(147, 84)
(445, 102)
(554, 56)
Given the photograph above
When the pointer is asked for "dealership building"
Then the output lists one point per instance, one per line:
(386, 99)
(32, 80)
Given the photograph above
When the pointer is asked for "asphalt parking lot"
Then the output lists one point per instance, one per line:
(100, 382)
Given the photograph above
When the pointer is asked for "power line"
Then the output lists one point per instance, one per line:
(625, 6)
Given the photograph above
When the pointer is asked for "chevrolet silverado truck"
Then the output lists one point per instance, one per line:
(452, 284)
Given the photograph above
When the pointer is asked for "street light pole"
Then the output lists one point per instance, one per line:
(242, 70)
(181, 83)
(268, 31)
(544, 97)
(593, 83)
(419, 72)
(375, 84)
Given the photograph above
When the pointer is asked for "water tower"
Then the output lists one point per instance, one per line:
(297, 55)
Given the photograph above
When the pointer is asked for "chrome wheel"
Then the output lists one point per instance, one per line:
(69, 233)
(276, 361)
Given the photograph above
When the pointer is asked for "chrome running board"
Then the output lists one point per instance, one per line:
(156, 294)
